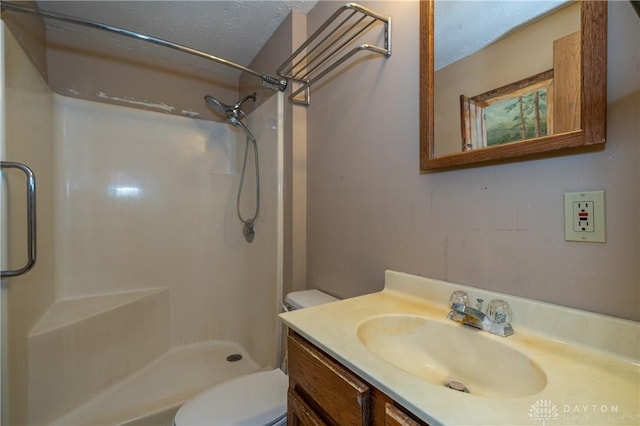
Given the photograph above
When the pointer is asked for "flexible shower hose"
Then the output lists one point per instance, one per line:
(248, 229)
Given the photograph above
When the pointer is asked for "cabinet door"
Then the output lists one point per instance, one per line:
(299, 413)
(394, 417)
(337, 395)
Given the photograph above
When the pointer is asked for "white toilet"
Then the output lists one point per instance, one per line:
(254, 399)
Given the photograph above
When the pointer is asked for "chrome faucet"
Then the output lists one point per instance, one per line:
(496, 321)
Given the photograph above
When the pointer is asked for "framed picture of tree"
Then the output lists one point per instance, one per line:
(516, 112)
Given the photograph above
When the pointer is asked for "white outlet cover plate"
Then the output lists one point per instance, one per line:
(573, 233)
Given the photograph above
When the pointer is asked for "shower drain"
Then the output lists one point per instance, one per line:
(234, 357)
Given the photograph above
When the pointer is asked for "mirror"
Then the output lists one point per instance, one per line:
(538, 89)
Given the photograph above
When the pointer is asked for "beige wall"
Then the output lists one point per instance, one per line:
(496, 227)
(106, 77)
(30, 33)
(28, 128)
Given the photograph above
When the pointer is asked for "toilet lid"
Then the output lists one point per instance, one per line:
(255, 399)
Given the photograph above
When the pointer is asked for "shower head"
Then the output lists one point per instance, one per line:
(232, 113)
(218, 106)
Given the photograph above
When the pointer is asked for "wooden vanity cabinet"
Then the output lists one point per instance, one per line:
(324, 392)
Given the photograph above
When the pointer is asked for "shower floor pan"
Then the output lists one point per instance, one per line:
(152, 395)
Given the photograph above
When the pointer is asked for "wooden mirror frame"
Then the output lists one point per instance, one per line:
(591, 134)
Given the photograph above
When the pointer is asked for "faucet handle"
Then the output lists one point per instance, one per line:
(459, 297)
(499, 312)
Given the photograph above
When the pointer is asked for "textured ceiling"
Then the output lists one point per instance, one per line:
(466, 26)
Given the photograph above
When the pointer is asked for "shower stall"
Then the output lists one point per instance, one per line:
(145, 291)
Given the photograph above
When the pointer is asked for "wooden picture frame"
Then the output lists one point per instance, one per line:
(592, 86)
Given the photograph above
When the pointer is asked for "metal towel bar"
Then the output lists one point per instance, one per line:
(31, 219)
(319, 55)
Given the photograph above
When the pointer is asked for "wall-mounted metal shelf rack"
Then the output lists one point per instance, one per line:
(331, 45)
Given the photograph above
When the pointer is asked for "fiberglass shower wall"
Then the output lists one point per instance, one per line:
(132, 203)
(147, 200)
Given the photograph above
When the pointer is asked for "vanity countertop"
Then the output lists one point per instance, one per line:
(591, 361)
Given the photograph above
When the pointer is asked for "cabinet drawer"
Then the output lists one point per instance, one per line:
(393, 416)
(331, 390)
(299, 413)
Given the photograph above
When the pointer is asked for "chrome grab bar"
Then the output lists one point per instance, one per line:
(31, 219)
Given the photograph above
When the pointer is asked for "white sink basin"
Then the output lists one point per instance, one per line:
(443, 352)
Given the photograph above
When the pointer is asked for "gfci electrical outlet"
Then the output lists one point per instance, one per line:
(584, 216)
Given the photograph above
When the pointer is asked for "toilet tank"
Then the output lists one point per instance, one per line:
(306, 298)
